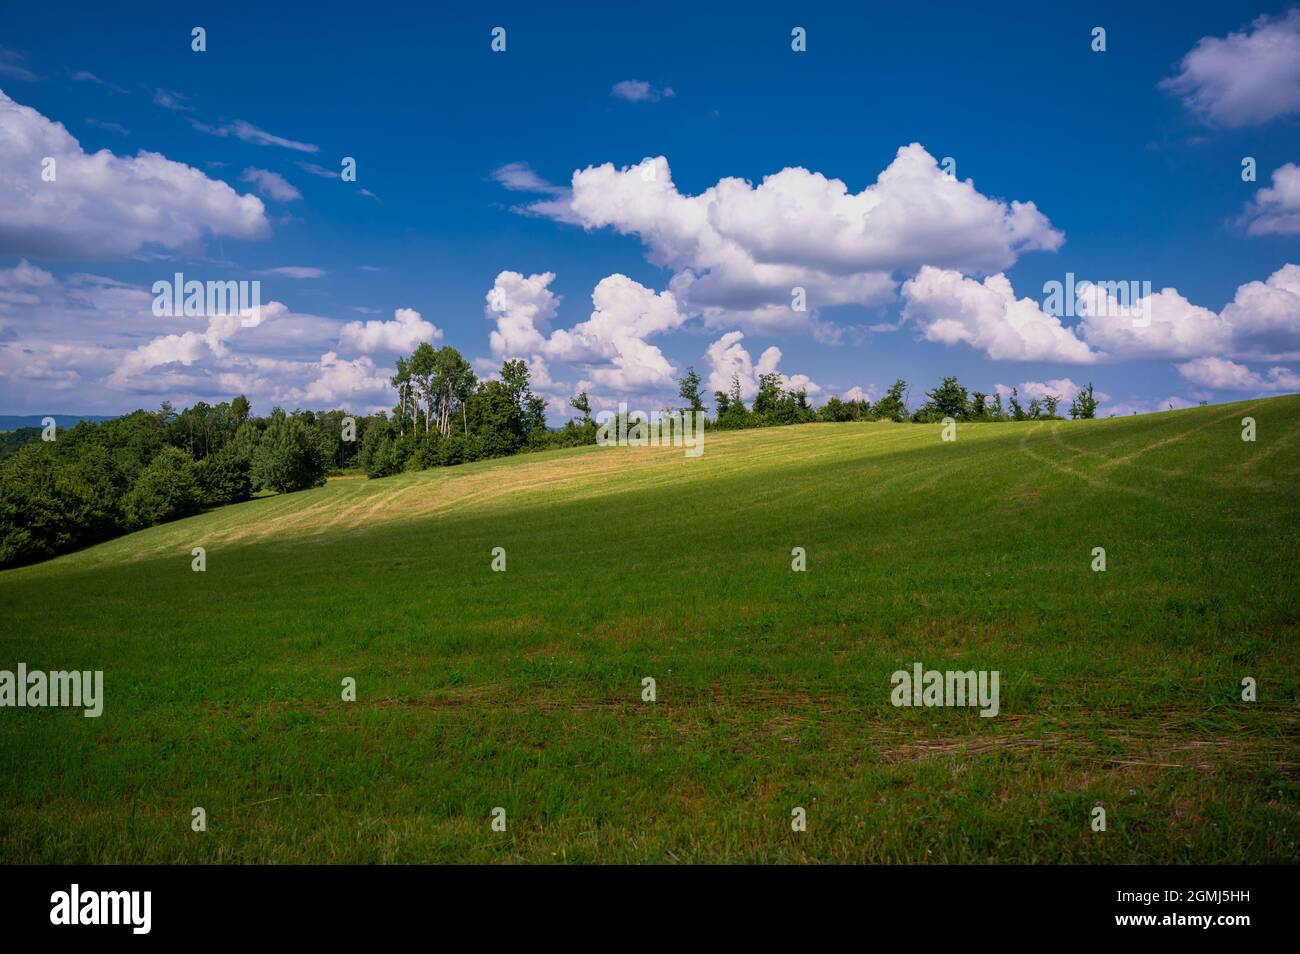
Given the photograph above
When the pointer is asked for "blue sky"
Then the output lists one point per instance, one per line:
(1142, 181)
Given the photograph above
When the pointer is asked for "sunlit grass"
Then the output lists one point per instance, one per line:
(523, 689)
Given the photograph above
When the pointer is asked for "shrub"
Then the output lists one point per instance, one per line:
(168, 488)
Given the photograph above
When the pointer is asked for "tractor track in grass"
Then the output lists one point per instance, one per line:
(1287, 438)
(1102, 485)
(1166, 441)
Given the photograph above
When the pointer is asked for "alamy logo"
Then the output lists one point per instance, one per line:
(1127, 299)
(194, 299)
(922, 687)
(37, 689)
(103, 907)
(655, 429)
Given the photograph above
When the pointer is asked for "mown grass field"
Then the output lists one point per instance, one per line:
(522, 689)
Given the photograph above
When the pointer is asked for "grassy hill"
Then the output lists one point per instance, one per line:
(522, 689)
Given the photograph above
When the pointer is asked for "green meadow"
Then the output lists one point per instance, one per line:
(522, 689)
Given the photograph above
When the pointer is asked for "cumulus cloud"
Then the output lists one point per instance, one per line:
(1265, 317)
(1276, 210)
(950, 308)
(340, 381)
(402, 334)
(738, 251)
(860, 394)
(105, 206)
(187, 347)
(1262, 322)
(271, 184)
(1063, 388)
(1220, 374)
(1169, 325)
(94, 343)
(521, 308)
(609, 349)
(730, 360)
(611, 344)
(1245, 78)
(639, 91)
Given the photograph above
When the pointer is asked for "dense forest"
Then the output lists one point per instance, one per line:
(66, 489)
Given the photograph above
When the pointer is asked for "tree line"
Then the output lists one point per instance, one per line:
(776, 404)
(97, 480)
(446, 415)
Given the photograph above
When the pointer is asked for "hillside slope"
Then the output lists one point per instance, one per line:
(523, 689)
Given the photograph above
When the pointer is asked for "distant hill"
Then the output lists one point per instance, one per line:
(11, 422)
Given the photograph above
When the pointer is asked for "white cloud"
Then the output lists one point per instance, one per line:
(94, 343)
(1169, 325)
(317, 170)
(1244, 78)
(11, 64)
(271, 184)
(728, 359)
(399, 336)
(173, 101)
(521, 308)
(1063, 388)
(1265, 317)
(295, 271)
(639, 91)
(341, 381)
(211, 364)
(24, 274)
(1223, 375)
(1262, 322)
(609, 349)
(858, 394)
(738, 251)
(105, 206)
(108, 127)
(1276, 210)
(951, 308)
(521, 177)
(247, 132)
(85, 76)
(187, 347)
